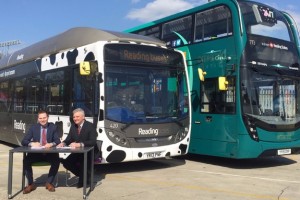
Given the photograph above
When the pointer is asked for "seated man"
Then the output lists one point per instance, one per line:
(81, 134)
(41, 134)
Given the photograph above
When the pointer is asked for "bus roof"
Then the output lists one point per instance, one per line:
(71, 38)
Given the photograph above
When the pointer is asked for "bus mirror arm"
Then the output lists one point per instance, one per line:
(98, 78)
(230, 68)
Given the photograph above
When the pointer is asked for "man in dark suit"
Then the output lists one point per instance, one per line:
(41, 135)
(82, 134)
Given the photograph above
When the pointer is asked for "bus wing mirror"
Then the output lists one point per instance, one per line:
(85, 68)
(223, 83)
(201, 74)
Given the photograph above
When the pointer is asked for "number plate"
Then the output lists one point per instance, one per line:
(284, 151)
(153, 154)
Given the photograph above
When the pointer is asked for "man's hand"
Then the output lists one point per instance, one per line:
(61, 144)
(75, 145)
(35, 144)
(48, 145)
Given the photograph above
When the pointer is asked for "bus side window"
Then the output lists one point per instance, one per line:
(4, 96)
(182, 26)
(212, 24)
(56, 92)
(151, 32)
(35, 94)
(19, 95)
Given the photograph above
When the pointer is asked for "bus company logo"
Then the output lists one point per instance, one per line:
(176, 43)
(20, 57)
(268, 13)
(19, 125)
(150, 131)
(273, 45)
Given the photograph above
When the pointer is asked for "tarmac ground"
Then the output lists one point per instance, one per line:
(186, 177)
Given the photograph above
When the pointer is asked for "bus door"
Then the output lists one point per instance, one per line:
(214, 122)
(85, 93)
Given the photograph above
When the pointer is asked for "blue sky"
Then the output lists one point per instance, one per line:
(33, 20)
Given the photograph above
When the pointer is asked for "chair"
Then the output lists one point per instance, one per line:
(59, 125)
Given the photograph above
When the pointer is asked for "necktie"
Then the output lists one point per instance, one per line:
(78, 130)
(44, 137)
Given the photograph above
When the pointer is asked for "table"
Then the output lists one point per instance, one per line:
(25, 150)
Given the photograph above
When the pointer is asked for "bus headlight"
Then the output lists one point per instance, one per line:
(182, 133)
(251, 127)
(117, 138)
(123, 141)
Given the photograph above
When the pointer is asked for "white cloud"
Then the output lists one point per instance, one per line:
(162, 8)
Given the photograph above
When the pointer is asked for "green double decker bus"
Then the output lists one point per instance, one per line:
(243, 65)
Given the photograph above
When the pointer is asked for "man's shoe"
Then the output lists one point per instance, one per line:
(29, 188)
(50, 187)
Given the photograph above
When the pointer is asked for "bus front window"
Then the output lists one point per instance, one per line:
(271, 98)
(145, 94)
(269, 68)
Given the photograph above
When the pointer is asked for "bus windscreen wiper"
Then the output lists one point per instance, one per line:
(179, 123)
(173, 119)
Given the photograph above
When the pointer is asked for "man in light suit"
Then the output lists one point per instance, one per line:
(42, 134)
(82, 134)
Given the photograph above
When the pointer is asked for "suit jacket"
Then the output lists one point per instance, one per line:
(87, 136)
(34, 134)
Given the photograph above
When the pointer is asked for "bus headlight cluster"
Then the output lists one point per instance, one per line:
(251, 127)
(182, 133)
(117, 138)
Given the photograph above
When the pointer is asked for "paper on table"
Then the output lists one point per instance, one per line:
(41, 147)
(66, 147)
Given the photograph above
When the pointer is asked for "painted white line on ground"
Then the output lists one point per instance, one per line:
(253, 177)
